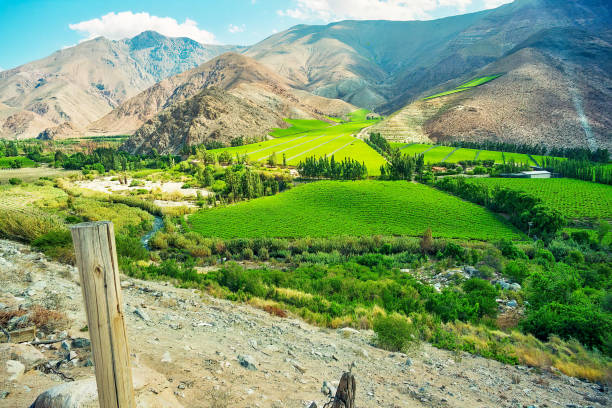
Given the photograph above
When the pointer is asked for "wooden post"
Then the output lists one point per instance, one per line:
(345, 396)
(96, 257)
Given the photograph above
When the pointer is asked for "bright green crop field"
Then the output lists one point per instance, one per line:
(497, 157)
(356, 208)
(574, 198)
(468, 85)
(299, 126)
(438, 154)
(463, 155)
(518, 158)
(318, 140)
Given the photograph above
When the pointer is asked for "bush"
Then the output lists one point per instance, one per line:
(455, 251)
(15, 181)
(394, 332)
(130, 247)
(517, 270)
(509, 250)
(581, 322)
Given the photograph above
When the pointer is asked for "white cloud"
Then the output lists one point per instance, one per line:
(116, 26)
(236, 29)
(489, 4)
(333, 10)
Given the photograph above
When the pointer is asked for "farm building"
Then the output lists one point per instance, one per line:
(529, 174)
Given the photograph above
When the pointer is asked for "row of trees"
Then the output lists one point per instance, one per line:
(526, 212)
(325, 167)
(243, 183)
(402, 166)
(104, 159)
(580, 169)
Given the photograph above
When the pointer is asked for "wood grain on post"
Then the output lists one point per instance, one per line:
(96, 257)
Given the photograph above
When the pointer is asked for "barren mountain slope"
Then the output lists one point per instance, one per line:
(195, 341)
(81, 83)
(383, 65)
(548, 82)
(245, 85)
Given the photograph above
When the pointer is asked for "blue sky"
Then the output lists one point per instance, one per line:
(32, 29)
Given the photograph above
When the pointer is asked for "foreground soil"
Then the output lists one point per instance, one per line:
(195, 341)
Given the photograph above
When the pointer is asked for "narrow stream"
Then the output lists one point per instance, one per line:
(158, 223)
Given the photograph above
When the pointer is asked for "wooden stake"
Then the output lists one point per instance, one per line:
(345, 395)
(96, 256)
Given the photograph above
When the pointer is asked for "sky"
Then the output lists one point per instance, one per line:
(33, 29)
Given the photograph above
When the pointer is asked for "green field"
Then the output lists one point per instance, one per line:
(5, 162)
(463, 155)
(316, 140)
(497, 157)
(299, 126)
(413, 149)
(438, 154)
(361, 208)
(518, 158)
(574, 198)
(468, 85)
(359, 115)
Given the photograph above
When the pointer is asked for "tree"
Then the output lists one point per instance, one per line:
(427, 242)
(284, 160)
(272, 159)
(603, 229)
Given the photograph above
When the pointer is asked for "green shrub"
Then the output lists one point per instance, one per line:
(394, 332)
(15, 181)
(575, 258)
(516, 270)
(130, 247)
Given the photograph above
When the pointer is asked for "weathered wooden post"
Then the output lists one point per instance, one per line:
(345, 395)
(96, 257)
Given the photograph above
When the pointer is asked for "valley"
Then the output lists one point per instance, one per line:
(421, 206)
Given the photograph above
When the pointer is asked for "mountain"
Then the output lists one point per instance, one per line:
(82, 83)
(229, 96)
(383, 65)
(555, 91)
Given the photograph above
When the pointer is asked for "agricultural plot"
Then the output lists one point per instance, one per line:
(330, 140)
(574, 198)
(438, 154)
(361, 208)
(463, 155)
(468, 85)
(518, 158)
(415, 149)
(497, 157)
(299, 126)
(359, 115)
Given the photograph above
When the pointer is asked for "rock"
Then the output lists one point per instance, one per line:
(26, 354)
(328, 390)
(17, 321)
(14, 370)
(515, 287)
(65, 345)
(4, 394)
(312, 405)
(408, 362)
(470, 270)
(142, 314)
(247, 362)
(348, 331)
(81, 342)
(151, 388)
(88, 363)
(512, 303)
(166, 358)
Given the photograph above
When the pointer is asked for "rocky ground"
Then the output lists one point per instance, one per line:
(191, 350)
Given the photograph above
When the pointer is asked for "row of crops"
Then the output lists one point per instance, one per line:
(361, 208)
(436, 154)
(574, 198)
(306, 138)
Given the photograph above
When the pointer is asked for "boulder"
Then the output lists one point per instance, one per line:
(26, 354)
(14, 370)
(151, 388)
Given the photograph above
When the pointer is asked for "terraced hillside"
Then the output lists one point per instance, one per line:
(307, 138)
(360, 208)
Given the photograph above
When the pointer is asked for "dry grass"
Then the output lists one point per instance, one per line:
(593, 374)
(44, 319)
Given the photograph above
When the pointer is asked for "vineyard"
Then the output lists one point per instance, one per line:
(468, 85)
(307, 138)
(436, 154)
(327, 209)
(574, 198)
